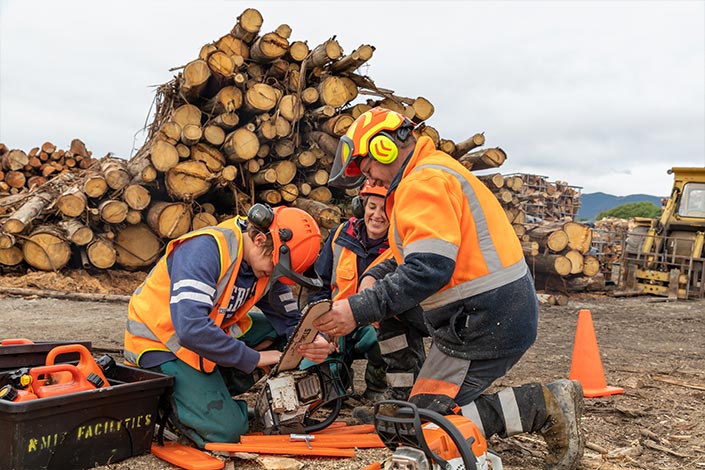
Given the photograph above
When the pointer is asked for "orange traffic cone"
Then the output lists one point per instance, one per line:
(586, 366)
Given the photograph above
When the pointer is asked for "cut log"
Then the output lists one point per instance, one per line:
(591, 265)
(203, 219)
(11, 256)
(137, 197)
(325, 53)
(286, 171)
(14, 160)
(194, 78)
(321, 194)
(30, 210)
(265, 176)
(115, 172)
(112, 211)
(15, 179)
(579, 236)
(94, 185)
(7, 240)
(169, 219)
(268, 47)
(326, 216)
(78, 233)
(325, 142)
(270, 196)
(483, 159)
(553, 264)
(548, 236)
(289, 192)
(318, 178)
(227, 100)
(45, 249)
(164, 155)
(211, 156)
(298, 50)
(221, 66)
(354, 60)
(72, 202)
(133, 217)
(190, 134)
(226, 121)
(101, 253)
(137, 246)
(461, 148)
(233, 46)
(337, 125)
(291, 108)
(240, 145)
(576, 261)
(259, 98)
(187, 114)
(248, 25)
(188, 180)
(214, 135)
(335, 91)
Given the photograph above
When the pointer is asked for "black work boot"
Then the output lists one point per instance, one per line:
(562, 432)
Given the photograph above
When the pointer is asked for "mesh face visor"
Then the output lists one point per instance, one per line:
(285, 273)
(345, 173)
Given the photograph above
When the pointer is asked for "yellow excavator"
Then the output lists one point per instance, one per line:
(665, 256)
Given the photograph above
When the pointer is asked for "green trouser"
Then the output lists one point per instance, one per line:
(202, 405)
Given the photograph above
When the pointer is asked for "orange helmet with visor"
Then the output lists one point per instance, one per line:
(366, 137)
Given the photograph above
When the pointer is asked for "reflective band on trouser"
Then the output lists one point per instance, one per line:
(393, 344)
(400, 379)
(471, 412)
(440, 374)
(510, 411)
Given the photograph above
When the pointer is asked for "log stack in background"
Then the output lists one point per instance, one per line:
(254, 117)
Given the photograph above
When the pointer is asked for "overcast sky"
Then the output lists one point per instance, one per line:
(606, 95)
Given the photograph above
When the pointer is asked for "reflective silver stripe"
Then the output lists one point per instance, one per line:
(470, 411)
(173, 343)
(235, 331)
(195, 296)
(130, 356)
(477, 286)
(393, 344)
(401, 379)
(198, 285)
(432, 245)
(510, 411)
(442, 367)
(286, 296)
(397, 239)
(136, 328)
(487, 248)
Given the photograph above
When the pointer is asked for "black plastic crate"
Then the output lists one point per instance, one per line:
(34, 354)
(85, 429)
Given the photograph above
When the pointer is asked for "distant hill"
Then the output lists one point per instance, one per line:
(593, 203)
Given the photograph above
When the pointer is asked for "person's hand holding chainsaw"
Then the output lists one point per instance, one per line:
(317, 351)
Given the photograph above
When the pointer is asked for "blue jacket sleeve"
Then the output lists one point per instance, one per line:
(194, 267)
(282, 311)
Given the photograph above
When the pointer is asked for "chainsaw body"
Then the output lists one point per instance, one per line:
(291, 396)
(424, 440)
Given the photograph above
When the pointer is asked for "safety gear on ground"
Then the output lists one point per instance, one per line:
(149, 326)
(366, 137)
(371, 190)
(297, 241)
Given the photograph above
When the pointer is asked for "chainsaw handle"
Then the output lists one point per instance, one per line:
(407, 408)
(15, 341)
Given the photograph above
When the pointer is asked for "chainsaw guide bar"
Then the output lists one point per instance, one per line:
(304, 333)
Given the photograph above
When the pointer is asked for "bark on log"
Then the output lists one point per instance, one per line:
(549, 236)
(30, 210)
(354, 60)
(268, 47)
(115, 172)
(78, 233)
(483, 159)
(248, 25)
(461, 148)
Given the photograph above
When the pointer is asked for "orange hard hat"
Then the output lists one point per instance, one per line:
(357, 142)
(370, 190)
(297, 241)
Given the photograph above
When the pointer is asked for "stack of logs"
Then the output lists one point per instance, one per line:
(255, 117)
(21, 171)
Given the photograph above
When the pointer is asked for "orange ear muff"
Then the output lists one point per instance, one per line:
(383, 148)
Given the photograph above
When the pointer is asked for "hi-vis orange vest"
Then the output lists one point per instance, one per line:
(440, 207)
(344, 281)
(149, 326)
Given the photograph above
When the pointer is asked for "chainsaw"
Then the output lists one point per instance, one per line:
(291, 397)
(425, 440)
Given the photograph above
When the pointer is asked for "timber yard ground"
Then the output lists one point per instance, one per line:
(652, 348)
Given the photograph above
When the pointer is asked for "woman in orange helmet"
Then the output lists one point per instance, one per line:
(348, 252)
(191, 318)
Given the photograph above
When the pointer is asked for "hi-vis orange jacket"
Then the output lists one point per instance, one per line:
(440, 207)
(149, 326)
(452, 242)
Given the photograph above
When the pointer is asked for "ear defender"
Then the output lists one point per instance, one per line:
(383, 148)
(357, 207)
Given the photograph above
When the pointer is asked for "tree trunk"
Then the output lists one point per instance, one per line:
(576, 261)
(95, 186)
(11, 256)
(326, 216)
(101, 253)
(112, 211)
(30, 210)
(461, 148)
(188, 180)
(549, 236)
(240, 145)
(354, 60)
(72, 202)
(137, 197)
(78, 233)
(553, 264)
(483, 159)
(203, 219)
(268, 47)
(164, 155)
(579, 236)
(591, 266)
(115, 172)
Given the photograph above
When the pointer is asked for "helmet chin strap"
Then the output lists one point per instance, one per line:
(283, 269)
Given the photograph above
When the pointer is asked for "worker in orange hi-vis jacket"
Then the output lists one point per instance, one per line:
(457, 256)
